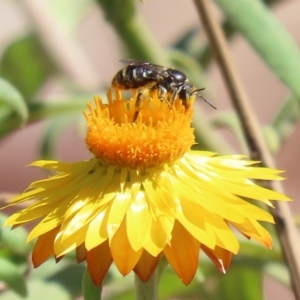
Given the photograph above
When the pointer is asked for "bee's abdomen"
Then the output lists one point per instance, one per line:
(133, 77)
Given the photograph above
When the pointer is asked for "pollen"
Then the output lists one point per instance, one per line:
(160, 134)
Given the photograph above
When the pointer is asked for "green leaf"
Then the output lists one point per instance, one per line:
(283, 124)
(43, 110)
(256, 254)
(188, 42)
(53, 132)
(69, 276)
(279, 272)
(69, 13)
(206, 136)
(12, 101)
(171, 286)
(38, 289)
(267, 35)
(229, 120)
(53, 281)
(11, 275)
(26, 65)
(240, 283)
(14, 240)
(281, 127)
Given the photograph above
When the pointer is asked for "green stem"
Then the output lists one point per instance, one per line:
(89, 290)
(133, 31)
(148, 290)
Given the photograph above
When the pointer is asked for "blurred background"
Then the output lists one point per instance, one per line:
(58, 54)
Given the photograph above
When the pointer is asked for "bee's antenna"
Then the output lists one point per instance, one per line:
(199, 95)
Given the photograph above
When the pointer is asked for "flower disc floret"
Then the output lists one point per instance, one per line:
(160, 134)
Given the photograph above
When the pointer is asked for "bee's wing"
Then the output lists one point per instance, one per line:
(135, 62)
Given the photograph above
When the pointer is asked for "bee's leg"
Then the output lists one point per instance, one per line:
(174, 96)
(162, 94)
(138, 102)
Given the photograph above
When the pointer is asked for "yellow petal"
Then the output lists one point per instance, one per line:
(99, 260)
(43, 248)
(160, 235)
(183, 253)
(81, 253)
(146, 266)
(118, 211)
(52, 220)
(138, 222)
(97, 230)
(219, 256)
(64, 246)
(124, 256)
(253, 229)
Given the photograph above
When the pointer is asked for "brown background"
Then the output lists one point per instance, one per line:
(167, 19)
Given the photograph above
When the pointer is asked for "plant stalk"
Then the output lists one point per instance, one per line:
(258, 150)
(147, 290)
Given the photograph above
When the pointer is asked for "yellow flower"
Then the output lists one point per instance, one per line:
(145, 195)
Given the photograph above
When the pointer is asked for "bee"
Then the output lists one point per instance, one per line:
(139, 75)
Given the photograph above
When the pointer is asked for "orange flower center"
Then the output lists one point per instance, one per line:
(160, 134)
